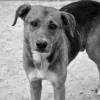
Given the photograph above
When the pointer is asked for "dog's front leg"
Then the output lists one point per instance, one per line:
(35, 89)
(59, 92)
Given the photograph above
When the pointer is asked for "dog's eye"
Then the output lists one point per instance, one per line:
(53, 26)
(34, 23)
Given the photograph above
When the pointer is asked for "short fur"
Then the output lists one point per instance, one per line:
(87, 16)
(73, 28)
(46, 24)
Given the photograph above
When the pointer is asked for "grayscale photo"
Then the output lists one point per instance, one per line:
(49, 50)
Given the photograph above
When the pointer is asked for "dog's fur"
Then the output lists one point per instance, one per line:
(87, 16)
(65, 37)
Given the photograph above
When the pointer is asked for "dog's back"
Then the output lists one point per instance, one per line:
(87, 16)
(85, 13)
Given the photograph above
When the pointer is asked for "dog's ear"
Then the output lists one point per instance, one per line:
(69, 22)
(21, 12)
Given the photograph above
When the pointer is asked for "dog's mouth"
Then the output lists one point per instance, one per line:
(39, 55)
(42, 51)
(40, 60)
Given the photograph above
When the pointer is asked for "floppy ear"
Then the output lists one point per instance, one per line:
(21, 12)
(69, 22)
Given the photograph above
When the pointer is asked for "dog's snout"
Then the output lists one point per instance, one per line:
(41, 45)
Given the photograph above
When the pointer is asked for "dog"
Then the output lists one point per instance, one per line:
(45, 47)
(87, 17)
(53, 38)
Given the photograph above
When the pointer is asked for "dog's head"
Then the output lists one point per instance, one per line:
(44, 28)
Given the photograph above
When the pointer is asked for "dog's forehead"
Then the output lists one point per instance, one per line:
(42, 12)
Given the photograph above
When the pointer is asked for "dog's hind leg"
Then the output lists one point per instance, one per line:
(93, 51)
(94, 55)
(98, 88)
(93, 47)
(98, 66)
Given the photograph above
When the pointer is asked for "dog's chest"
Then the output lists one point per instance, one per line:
(38, 74)
(41, 70)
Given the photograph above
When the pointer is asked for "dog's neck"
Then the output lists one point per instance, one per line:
(59, 54)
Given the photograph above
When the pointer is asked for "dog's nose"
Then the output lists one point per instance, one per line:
(41, 45)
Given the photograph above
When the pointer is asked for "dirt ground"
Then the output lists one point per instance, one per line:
(82, 77)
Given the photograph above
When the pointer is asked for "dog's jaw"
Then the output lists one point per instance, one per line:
(41, 66)
(36, 56)
(39, 57)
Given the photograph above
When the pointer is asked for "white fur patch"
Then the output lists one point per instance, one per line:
(36, 56)
(98, 92)
(35, 75)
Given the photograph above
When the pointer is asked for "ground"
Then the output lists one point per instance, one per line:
(82, 78)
